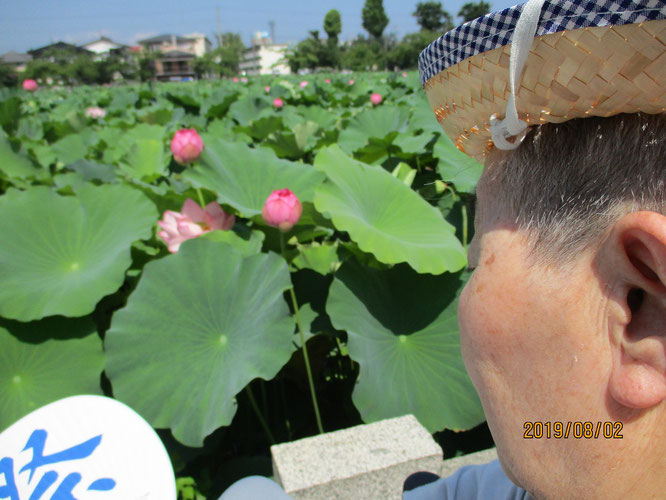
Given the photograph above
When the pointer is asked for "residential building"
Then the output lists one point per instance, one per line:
(15, 60)
(176, 54)
(59, 52)
(104, 46)
(264, 57)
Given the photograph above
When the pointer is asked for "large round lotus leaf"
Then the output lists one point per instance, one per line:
(377, 123)
(384, 216)
(61, 255)
(199, 327)
(244, 177)
(402, 330)
(46, 360)
(455, 166)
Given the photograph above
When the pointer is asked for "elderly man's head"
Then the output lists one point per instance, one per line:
(564, 319)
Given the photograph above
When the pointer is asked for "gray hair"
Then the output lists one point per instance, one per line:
(568, 183)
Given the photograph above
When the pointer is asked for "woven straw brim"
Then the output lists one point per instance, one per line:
(595, 71)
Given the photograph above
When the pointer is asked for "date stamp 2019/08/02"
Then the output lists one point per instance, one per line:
(576, 430)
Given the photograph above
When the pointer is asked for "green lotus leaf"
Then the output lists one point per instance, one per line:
(200, 326)
(247, 247)
(15, 165)
(376, 123)
(403, 332)
(247, 109)
(244, 177)
(455, 166)
(70, 148)
(320, 258)
(145, 159)
(46, 360)
(384, 216)
(61, 255)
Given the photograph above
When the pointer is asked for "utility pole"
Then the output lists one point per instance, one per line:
(272, 25)
(219, 28)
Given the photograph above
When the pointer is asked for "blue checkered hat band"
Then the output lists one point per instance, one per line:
(496, 29)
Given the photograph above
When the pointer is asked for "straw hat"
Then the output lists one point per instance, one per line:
(569, 59)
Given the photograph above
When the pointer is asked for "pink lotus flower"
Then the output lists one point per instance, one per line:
(404, 75)
(235, 79)
(95, 112)
(304, 84)
(278, 103)
(376, 98)
(351, 82)
(328, 80)
(267, 88)
(243, 79)
(193, 221)
(282, 210)
(30, 85)
(186, 145)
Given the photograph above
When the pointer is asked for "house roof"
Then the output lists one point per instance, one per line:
(103, 39)
(163, 38)
(15, 57)
(60, 46)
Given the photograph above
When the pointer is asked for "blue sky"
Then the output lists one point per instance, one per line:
(26, 24)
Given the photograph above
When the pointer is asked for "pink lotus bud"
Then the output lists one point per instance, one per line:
(243, 79)
(282, 210)
(304, 84)
(30, 85)
(376, 98)
(95, 112)
(404, 75)
(267, 88)
(278, 103)
(186, 145)
(351, 82)
(328, 80)
(193, 221)
(235, 79)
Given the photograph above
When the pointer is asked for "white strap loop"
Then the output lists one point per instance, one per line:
(523, 36)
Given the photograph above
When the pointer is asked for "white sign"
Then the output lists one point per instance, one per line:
(84, 448)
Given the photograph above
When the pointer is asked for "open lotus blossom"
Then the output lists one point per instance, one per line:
(193, 221)
(278, 103)
(95, 112)
(282, 210)
(186, 145)
(30, 85)
(267, 88)
(304, 84)
(376, 98)
(328, 80)
(243, 79)
(351, 82)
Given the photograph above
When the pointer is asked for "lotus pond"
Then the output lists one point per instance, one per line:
(207, 342)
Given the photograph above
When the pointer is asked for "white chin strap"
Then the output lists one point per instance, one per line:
(521, 43)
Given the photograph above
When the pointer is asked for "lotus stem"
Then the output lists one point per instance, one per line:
(305, 350)
(201, 199)
(464, 226)
(262, 421)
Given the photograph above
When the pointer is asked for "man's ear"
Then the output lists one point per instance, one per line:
(633, 260)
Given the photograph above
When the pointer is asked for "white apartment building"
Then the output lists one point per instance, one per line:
(264, 57)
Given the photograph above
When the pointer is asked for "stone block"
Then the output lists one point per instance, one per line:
(366, 462)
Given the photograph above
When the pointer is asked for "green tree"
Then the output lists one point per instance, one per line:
(147, 66)
(333, 24)
(405, 55)
(308, 54)
(363, 55)
(472, 10)
(374, 18)
(8, 77)
(228, 55)
(332, 27)
(431, 16)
